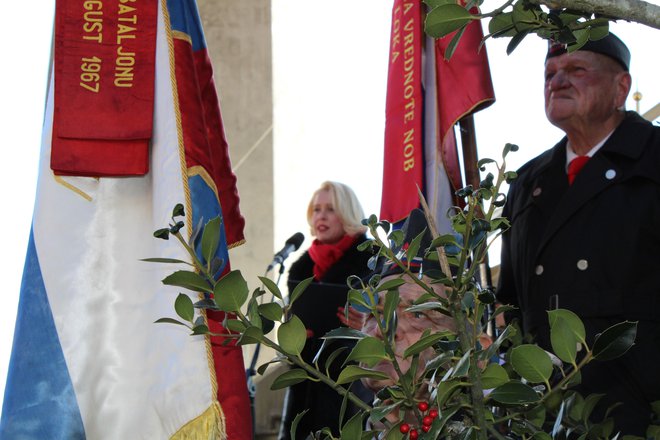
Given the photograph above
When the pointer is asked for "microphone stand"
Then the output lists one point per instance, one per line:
(251, 371)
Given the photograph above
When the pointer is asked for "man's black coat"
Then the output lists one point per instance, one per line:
(593, 248)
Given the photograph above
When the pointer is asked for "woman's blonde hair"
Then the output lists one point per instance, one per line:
(346, 205)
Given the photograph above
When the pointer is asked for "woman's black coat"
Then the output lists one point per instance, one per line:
(319, 314)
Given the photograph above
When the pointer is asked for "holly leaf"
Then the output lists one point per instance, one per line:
(270, 311)
(164, 260)
(514, 393)
(615, 341)
(251, 335)
(564, 341)
(354, 372)
(183, 306)
(178, 210)
(446, 389)
(493, 376)
(235, 325)
(425, 342)
(379, 412)
(169, 321)
(353, 428)
(271, 286)
(292, 336)
(294, 424)
(532, 363)
(300, 288)
(188, 280)
(231, 292)
(446, 19)
(500, 26)
(163, 233)
(368, 351)
(211, 238)
(288, 378)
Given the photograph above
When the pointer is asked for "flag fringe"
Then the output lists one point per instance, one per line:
(210, 425)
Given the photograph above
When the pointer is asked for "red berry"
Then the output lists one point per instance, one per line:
(427, 421)
(404, 428)
(423, 406)
(414, 434)
(433, 413)
(426, 428)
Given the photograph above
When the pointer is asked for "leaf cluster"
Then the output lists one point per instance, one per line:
(503, 389)
(514, 19)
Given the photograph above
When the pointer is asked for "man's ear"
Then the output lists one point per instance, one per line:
(623, 85)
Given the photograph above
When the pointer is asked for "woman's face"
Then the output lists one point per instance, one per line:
(327, 225)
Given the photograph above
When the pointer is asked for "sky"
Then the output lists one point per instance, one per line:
(330, 101)
(330, 72)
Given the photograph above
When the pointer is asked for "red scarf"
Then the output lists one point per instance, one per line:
(326, 255)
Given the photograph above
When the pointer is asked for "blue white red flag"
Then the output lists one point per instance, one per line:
(88, 362)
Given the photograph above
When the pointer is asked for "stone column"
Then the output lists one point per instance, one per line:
(238, 36)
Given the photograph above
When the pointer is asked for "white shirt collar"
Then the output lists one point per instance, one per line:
(570, 154)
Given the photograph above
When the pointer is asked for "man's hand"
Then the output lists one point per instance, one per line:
(355, 318)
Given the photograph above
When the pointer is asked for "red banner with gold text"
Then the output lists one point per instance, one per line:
(426, 96)
(403, 170)
(104, 86)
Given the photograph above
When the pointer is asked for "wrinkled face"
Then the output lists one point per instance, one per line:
(583, 87)
(409, 330)
(328, 227)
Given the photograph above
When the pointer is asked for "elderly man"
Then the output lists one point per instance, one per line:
(585, 217)
(411, 325)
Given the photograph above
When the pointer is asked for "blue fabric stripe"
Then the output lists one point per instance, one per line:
(205, 207)
(184, 17)
(39, 402)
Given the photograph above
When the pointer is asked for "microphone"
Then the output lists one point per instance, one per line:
(291, 245)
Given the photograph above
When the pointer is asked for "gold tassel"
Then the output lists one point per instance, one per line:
(210, 425)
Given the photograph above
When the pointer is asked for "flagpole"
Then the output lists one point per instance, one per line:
(469, 144)
(470, 160)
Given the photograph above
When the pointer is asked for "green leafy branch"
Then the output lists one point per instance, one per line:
(526, 391)
(515, 19)
(230, 294)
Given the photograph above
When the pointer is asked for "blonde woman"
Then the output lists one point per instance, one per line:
(334, 216)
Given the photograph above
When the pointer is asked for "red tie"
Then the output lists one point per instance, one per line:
(575, 166)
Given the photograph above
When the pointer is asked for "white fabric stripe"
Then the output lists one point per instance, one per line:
(133, 379)
(438, 191)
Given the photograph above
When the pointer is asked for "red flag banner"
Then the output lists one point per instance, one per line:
(420, 148)
(207, 151)
(468, 69)
(209, 167)
(403, 159)
(104, 87)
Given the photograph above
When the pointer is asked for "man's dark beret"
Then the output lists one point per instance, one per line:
(610, 46)
(422, 263)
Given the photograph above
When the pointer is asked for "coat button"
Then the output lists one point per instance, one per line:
(610, 174)
(582, 264)
(537, 191)
(538, 270)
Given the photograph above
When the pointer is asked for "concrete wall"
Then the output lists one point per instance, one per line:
(238, 36)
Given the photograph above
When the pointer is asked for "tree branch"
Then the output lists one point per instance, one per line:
(638, 11)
